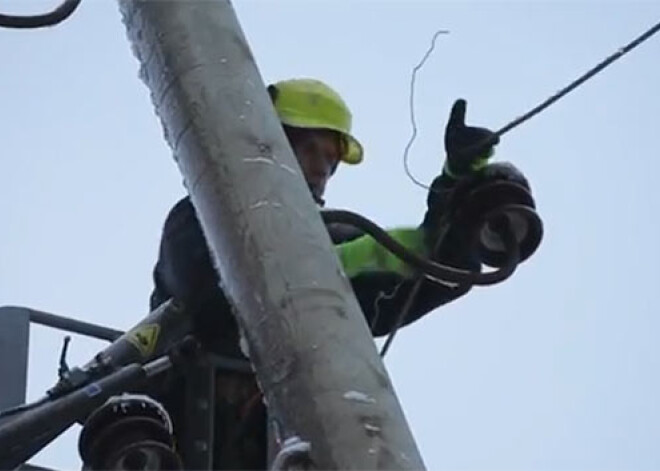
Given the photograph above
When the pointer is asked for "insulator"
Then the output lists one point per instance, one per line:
(502, 202)
(129, 432)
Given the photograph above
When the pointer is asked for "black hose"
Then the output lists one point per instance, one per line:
(428, 267)
(59, 14)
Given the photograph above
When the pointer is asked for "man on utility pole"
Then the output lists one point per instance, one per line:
(316, 122)
(251, 226)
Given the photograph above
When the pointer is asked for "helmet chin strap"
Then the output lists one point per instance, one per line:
(320, 201)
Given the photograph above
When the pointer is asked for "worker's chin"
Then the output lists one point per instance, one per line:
(317, 194)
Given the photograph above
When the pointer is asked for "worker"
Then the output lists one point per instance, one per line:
(317, 124)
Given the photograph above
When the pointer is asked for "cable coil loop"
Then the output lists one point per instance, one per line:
(428, 267)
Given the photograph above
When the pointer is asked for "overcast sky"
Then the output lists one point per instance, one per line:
(555, 369)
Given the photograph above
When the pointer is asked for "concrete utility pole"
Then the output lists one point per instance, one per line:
(311, 348)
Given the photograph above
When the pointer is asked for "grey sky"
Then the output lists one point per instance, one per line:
(555, 369)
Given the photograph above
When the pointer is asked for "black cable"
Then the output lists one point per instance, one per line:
(426, 266)
(580, 80)
(59, 14)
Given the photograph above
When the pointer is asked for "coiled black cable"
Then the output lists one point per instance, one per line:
(425, 265)
(433, 270)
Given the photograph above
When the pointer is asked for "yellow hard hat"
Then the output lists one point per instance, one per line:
(310, 103)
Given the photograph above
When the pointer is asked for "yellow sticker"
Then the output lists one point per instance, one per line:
(144, 338)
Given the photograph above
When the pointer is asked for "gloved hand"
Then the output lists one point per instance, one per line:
(468, 148)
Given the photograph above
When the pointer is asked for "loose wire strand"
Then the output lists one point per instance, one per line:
(411, 107)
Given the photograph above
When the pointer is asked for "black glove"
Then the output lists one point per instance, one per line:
(468, 148)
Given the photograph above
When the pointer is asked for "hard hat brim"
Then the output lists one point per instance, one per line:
(355, 153)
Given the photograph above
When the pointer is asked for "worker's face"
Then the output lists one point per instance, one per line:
(318, 153)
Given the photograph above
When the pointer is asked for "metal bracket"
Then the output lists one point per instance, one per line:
(14, 343)
(294, 455)
(197, 447)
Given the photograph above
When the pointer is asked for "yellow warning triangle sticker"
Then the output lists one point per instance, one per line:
(144, 337)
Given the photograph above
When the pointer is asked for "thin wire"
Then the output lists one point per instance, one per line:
(413, 121)
(543, 105)
(419, 280)
(383, 295)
